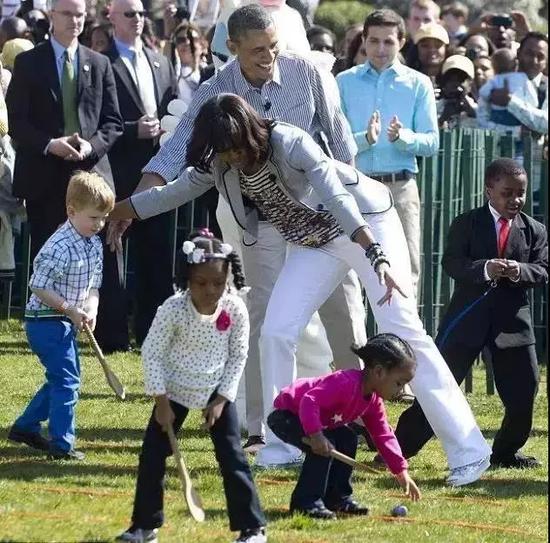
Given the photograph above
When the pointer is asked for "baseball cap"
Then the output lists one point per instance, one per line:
(459, 62)
(432, 30)
(12, 48)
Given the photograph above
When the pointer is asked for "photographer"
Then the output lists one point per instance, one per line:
(455, 105)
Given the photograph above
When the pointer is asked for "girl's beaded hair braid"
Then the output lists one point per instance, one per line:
(203, 247)
(386, 350)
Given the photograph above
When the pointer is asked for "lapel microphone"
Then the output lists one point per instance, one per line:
(267, 105)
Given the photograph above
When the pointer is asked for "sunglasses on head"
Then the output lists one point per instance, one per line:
(132, 13)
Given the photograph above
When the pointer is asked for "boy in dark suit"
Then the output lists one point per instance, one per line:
(498, 249)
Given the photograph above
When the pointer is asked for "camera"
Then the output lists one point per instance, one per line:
(455, 94)
(501, 20)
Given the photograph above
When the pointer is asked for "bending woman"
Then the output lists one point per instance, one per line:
(333, 218)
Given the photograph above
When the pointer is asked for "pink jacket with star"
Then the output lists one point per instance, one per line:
(336, 399)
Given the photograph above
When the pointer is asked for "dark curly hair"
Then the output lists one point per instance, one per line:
(227, 122)
(204, 239)
(503, 168)
(386, 350)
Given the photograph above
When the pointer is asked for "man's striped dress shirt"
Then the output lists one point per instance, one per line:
(298, 94)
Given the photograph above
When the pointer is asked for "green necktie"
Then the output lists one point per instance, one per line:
(68, 91)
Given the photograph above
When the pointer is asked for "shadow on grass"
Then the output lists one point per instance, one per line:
(117, 435)
(14, 344)
(18, 352)
(120, 434)
(221, 514)
(30, 466)
(280, 476)
(535, 432)
(79, 541)
(502, 488)
(130, 397)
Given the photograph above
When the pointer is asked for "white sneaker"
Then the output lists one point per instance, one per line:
(289, 463)
(138, 535)
(278, 454)
(464, 475)
(252, 536)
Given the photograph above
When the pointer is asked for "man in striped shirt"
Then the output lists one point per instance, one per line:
(289, 88)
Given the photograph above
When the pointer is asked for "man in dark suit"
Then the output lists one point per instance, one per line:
(145, 85)
(501, 252)
(63, 116)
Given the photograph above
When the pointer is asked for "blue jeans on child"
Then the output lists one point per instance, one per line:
(322, 481)
(54, 342)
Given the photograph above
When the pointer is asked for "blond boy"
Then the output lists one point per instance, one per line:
(67, 276)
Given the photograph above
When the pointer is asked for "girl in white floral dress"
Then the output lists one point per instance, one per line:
(193, 358)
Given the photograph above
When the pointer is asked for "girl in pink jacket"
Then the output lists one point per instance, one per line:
(320, 409)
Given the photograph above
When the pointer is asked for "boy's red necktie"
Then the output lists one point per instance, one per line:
(503, 234)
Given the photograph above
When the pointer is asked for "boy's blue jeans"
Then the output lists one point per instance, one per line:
(54, 342)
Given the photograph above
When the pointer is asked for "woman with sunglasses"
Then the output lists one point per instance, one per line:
(332, 217)
(186, 51)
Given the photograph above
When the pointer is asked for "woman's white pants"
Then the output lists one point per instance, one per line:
(307, 279)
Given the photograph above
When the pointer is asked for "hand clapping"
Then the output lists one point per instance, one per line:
(374, 128)
(393, 129)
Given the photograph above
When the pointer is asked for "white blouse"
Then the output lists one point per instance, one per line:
(187, 355)
(188, 83)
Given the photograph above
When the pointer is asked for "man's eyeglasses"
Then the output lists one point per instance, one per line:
(70, 14)
(132, 13)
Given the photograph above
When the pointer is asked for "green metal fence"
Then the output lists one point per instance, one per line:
(450, 182)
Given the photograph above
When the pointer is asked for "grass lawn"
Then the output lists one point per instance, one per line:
(47, 501)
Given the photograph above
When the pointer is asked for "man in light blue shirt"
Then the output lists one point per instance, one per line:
(392, 113)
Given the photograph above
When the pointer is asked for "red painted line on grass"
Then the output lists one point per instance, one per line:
(460, 524)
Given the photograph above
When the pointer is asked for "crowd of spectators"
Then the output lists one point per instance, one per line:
(435, 32)
(488, 72)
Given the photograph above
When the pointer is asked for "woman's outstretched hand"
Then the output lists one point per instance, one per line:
(385, 278)
(115, 230)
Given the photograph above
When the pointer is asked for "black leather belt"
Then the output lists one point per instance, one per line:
(393, 177)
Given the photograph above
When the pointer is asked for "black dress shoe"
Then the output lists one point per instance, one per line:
(319, 512)
(59, 454)
(32, 439)
(349, 507)
(518, 461)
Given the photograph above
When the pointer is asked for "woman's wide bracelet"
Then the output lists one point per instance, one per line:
(373, 251)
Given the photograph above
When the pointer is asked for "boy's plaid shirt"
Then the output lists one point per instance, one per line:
(70, 265)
